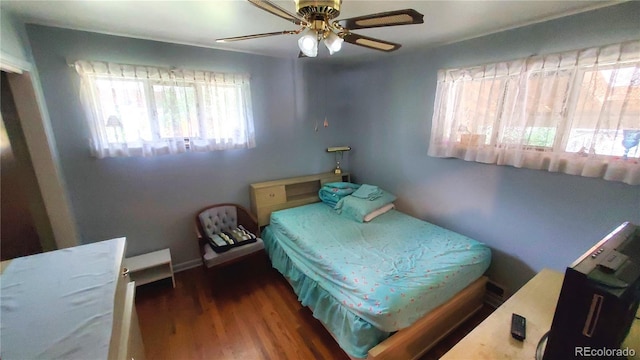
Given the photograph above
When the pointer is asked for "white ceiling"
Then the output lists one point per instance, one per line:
(201, 22)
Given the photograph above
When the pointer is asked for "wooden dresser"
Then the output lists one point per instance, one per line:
(72, 303)
(270, 196)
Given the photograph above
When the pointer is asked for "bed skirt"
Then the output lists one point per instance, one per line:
(354, 335)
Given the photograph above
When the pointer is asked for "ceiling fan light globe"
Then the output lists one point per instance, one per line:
(308, 44)
(333, 42)
(311, 53)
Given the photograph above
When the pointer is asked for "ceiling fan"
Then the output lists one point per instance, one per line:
(315, 20)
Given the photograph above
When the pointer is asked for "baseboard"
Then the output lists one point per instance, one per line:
(187, 265)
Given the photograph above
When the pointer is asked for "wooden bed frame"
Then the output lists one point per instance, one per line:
(414, 341)
(408, 343)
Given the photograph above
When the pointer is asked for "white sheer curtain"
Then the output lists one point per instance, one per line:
(576, 112)
(136, 110)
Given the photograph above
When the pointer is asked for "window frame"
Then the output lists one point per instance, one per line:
(567, 114)
(152, 104)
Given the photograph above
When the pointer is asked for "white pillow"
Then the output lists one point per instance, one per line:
(377, 212)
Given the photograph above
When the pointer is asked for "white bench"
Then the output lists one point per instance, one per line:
(150, 267)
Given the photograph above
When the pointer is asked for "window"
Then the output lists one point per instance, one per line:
(576, 112)
(143, 111)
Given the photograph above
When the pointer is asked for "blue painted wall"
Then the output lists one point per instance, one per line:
(152, 201)
(531, 219)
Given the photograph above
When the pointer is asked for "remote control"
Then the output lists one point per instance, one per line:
(518, 327)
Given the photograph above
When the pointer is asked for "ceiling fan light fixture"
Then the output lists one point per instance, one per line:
(308, 43)
(315, 18)
(333, 42)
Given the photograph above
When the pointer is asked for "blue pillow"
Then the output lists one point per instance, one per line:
(357, 208)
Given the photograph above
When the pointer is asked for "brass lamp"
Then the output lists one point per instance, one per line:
(338, 150)
(114, 123)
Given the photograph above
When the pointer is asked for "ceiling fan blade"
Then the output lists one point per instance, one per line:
(277, 11)
(389, 18)
(256, 36)
(370, 42)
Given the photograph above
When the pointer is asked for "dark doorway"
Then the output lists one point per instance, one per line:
(23, 218)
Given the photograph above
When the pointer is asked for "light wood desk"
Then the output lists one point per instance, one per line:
(536, 301)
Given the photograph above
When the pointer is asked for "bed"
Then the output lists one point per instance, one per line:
(390, 288)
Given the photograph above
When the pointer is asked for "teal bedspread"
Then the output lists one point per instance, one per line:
(367, 280)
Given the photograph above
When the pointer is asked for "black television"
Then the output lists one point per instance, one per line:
(599, 299)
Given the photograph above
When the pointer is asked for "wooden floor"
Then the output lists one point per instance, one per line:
(244, 311)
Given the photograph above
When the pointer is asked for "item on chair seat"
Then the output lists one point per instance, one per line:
(214, 223)
(217, 240)
(227, 240)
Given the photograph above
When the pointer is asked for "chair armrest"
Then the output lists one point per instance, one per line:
(248, 220)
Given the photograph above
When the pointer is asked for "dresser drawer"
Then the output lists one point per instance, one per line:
(271, 196)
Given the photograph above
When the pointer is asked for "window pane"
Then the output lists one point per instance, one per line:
(538, 117)
(478, 108)
(223, 106)
(123, 107)
(176, 111)
(605, 113)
